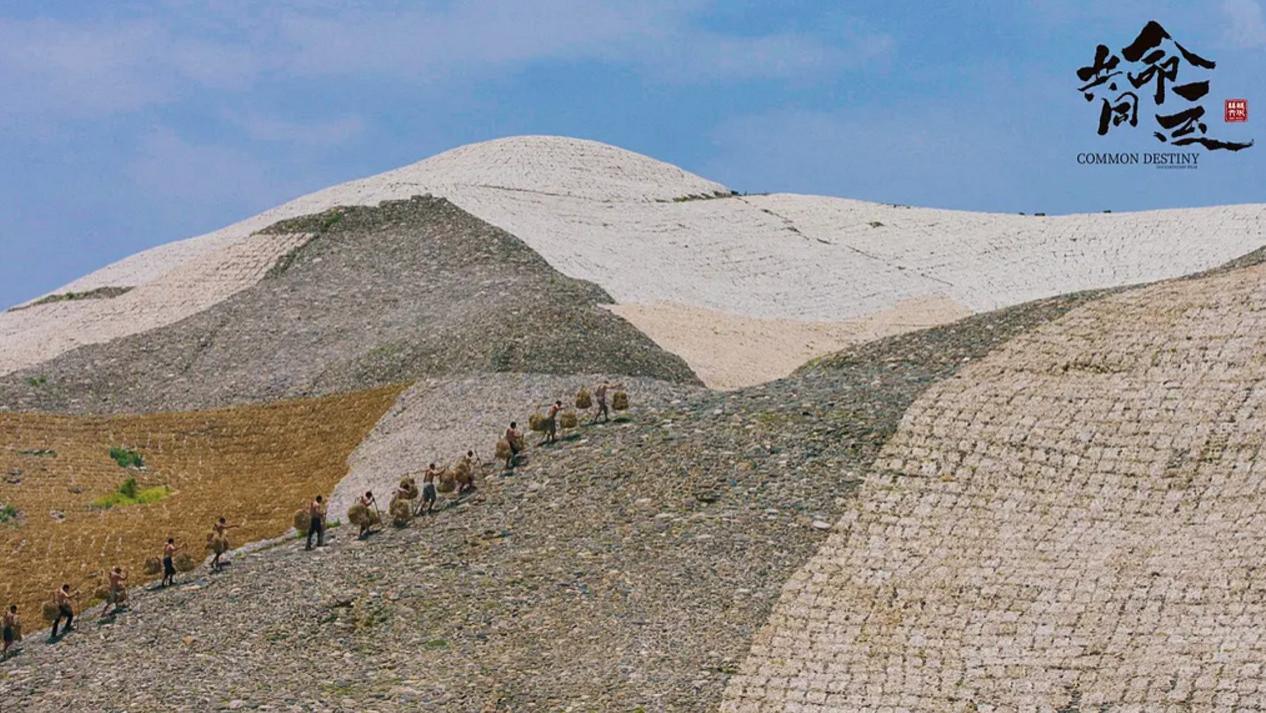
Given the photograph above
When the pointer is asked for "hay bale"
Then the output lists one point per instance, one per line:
(358, 515)
(301, 520)
(538, 423)
(583, 399)
(464, 473)
(218, 544)
(400, 511)
(49, 611)
(447, 481)
(567, 419)
(503, 449)
(409, 486)
(619, 401)
(184, 563)
(153, 565)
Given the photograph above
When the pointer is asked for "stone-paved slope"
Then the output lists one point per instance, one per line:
(628, 567)
(378, 295)
(1071, 523)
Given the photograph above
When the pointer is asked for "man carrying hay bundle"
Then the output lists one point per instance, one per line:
(218, 541)
(465, 472)
(600, 393)
(12, 630)
(169, 562)
(428, 490)
(316, 522)
(116, 595)
(400, 508)
(364, 513)
(551, 422)
(514, 444)
(64, 600)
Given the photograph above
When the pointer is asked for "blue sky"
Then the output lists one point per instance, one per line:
(129, 124)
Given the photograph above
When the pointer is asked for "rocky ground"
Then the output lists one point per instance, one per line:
(408, 289)
(627, 568)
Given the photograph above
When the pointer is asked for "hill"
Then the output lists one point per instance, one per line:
(744, 287)
(372, 296)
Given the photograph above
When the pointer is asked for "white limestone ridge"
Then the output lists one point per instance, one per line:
(743, 287)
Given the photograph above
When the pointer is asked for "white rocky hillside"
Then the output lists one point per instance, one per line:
(745, 288)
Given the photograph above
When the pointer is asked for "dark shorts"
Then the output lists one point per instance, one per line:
(8, 635)
(428, 492)
(169, 567)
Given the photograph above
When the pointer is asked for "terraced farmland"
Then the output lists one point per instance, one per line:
(253, 465)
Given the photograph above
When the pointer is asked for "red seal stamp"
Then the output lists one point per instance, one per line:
(1235, 110)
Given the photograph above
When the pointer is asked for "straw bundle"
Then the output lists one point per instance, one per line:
(49, 610)
(302, 520)
(217, 544)
(184, 563)
(463, 472)
(503, 449)
(447, 481)
(153, 565)
(359, 515)
(400, 512)
(409, 486)
(583, 399)
(567, 419)
(538, 423)
(619, 401)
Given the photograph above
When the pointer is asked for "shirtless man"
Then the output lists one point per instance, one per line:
(116, 594)
(221, 529)
(370, 504)
(551, 422)
(428, 489)
(600, 393)
(316, 522)
(11, 624)
(169, 563)
(64, 599)
(514, 438)
(470, 460)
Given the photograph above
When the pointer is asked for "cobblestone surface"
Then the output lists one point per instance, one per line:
(627, 567)
(1069, 523)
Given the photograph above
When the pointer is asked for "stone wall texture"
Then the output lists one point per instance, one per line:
(1074, 522)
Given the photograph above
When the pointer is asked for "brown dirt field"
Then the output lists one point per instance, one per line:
(253, 465)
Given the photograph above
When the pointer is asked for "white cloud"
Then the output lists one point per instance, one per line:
(61, 69)
(1246, 23)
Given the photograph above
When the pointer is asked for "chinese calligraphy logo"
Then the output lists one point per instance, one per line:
(1155, 60)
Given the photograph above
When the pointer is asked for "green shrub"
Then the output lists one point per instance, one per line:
(8, 512)
(130, 493)
(127, 458)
